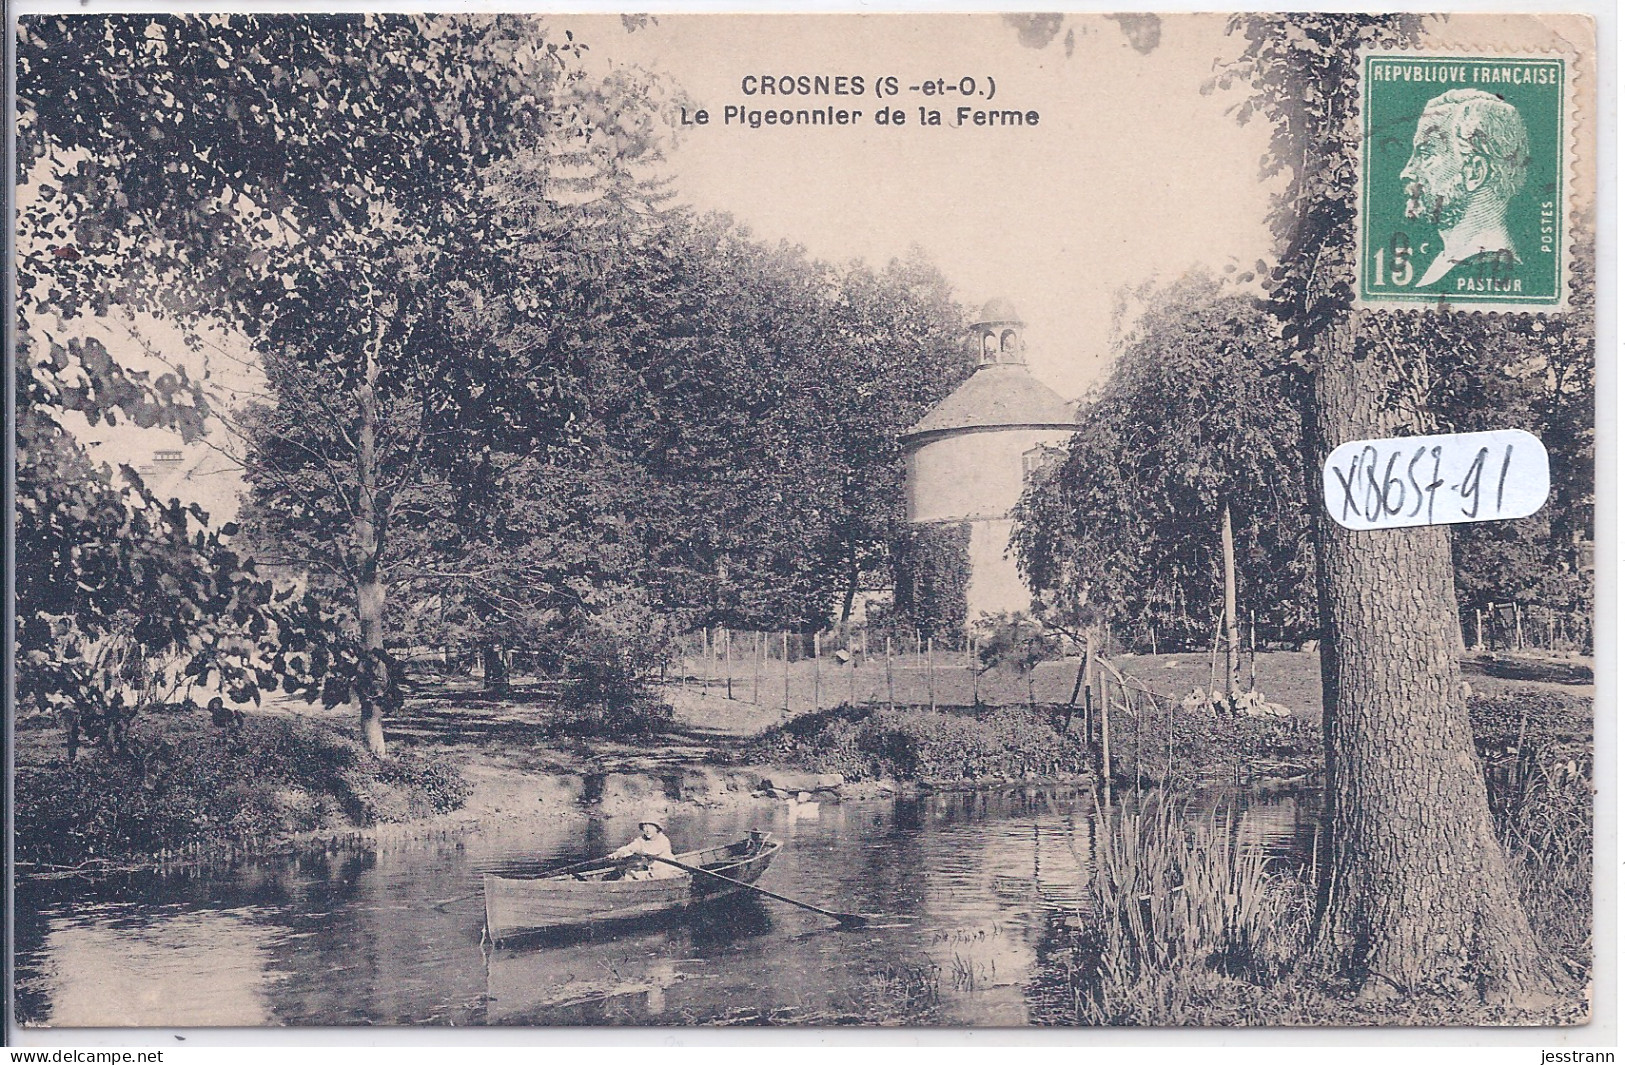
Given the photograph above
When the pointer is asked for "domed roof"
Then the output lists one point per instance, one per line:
(998, 309)
(995, 397)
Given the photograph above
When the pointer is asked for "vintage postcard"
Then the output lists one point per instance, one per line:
(685, 519)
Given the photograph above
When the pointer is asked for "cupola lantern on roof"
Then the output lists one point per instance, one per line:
(996, 335)
(969, 458)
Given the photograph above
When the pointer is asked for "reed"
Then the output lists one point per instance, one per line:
(1543, 812)
(1180, 902)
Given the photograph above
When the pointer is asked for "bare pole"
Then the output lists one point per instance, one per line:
(818, 654)
(891, 693)
(1097, 684)
(1105, 727)
(1213, 655)
(1232, 644)
(786, 637)
(1252, 651)
(931, 670)
(728, 659)
(705, 656)
(756, 668)
(851, 672)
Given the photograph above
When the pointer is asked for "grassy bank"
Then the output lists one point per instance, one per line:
(1159, 743)
(1158, 748)
(866, 743)
(187, 786)
(1232, 947)
(1184, 928)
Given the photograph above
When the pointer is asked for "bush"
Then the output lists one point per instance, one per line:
(604, 691)
(191, 784)
(866, 744)
(1534, 717)
(1174, 746)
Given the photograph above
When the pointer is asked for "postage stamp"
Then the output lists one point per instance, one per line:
(1463, 178)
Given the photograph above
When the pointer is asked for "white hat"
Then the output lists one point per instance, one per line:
(651, 818)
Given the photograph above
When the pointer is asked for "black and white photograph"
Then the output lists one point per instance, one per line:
(547, 521)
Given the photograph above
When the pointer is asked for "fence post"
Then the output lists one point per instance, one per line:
(756, 669)
(851, 672)
(1168, 769)
(931, 670)
(818, 655)
(786, 637)
(891, 693)
(1517, 624)
(728, 658)
(705, 655)
(1478, 629)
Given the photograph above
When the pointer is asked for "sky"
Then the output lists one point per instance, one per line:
(1131, 173)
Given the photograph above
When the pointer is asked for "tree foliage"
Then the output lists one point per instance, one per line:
(931, 566)
(739, 407)
(760, 397)
(322, 183)
(1125, 528)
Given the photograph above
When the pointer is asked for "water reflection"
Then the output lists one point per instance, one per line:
(972, 882)
(214, 963)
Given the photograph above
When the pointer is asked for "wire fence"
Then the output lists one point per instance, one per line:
(1525, 627)
(797, 672)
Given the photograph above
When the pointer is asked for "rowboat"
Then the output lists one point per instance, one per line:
(517, 906)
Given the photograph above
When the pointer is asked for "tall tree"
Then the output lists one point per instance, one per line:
(755, 395)
(1418, 891)
(1192, 425)
(318, 181)
(900, 341)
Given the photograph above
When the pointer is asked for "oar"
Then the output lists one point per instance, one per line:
(577, 865)
(847, 920)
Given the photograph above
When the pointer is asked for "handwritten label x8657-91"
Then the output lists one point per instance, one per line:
(1436, 480)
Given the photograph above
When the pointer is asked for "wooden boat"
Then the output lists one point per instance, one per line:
(516, 906)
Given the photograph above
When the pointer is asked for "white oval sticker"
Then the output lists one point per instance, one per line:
(1436, 480)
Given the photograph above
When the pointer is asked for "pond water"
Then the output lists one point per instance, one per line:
(393, 937)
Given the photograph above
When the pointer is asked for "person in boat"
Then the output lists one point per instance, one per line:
(650, 842)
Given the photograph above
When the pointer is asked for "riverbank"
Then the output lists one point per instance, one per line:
(463, 761)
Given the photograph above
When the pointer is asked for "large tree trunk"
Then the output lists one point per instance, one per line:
(369, 591)
(1419, 890)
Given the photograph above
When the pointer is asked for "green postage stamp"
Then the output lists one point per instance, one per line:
(1463, 179)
